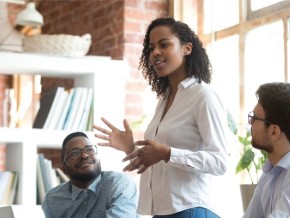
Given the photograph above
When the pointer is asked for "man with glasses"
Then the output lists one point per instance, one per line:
(270, 130)
(90, 192)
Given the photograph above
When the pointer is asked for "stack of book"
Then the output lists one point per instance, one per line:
(47, 177)
(62, 109)
(8, 187)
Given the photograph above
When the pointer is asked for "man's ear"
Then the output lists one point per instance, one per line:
(187, 48)
(275, 131)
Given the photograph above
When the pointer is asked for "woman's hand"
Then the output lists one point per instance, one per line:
(120, 140)
(151, 153)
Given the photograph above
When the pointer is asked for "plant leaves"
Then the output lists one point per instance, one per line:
(245, 160)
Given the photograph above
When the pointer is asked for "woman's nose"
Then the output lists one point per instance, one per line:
(156, 52)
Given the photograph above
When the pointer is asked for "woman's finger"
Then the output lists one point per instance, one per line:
(141, 142)
(132, 155)
(111, 126)
(104, 137)
(100, 129)
(142, 169)
(133, 165)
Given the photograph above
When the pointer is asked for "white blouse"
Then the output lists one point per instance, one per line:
(195, 127)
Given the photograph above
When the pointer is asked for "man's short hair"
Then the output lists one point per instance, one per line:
(73, 135)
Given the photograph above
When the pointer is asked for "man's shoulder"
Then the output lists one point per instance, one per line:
(60, 188)
(116, 176)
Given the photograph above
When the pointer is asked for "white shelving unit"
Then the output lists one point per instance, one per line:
(106, 77)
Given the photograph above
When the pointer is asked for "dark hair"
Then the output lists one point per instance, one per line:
(197, 63)
(67, 139)
(275, 100)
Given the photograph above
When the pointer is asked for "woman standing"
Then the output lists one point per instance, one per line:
(184, 147)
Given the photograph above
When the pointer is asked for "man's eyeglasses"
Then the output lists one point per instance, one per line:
(77, 152)
(252, 118)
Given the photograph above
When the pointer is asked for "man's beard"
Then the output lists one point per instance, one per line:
(88, 176)
(266, 148)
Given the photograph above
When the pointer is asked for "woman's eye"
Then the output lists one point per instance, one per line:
(163, 45)
(151, 49)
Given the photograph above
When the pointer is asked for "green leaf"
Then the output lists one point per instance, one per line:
(245, 161)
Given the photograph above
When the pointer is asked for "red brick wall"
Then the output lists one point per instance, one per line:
(104, 20)
(138, 15)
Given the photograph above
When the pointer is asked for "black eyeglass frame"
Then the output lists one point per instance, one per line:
(85, 149)
(252, 118)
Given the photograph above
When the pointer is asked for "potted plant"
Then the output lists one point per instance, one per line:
(250, 162)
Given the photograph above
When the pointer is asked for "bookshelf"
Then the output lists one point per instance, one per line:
(105, 76)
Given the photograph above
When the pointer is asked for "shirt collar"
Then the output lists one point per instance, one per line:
(184, 84)
(188, 81)
(284, 163)
(75, 191)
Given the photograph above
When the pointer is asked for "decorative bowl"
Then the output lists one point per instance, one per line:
(59, 44)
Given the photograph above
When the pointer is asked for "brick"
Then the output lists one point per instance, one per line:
(2, 157)
(132, 26)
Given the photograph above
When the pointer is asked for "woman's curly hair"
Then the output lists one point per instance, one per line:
(196, 64)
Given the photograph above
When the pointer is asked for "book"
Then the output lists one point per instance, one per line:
(58, 111)
(85, 116)
(40, 182)
(8, 187)
(46, 101)
(4, 180)
(73, 109)
(63, 177)
(14, 187)
(53, 108)
(44, 172)
(51, 174)
(90, 121)
(80, 109)
(65, 110)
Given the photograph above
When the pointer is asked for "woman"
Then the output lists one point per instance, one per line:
(184, 147)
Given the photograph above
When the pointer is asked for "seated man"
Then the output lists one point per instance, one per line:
(90, 191)
(270, 130)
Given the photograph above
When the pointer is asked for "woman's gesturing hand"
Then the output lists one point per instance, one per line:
(151, 153)
(120, 140)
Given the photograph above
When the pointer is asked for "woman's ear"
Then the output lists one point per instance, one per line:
(187, 48)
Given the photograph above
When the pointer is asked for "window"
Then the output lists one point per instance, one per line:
(217, 15)
(264, 59)
(247, 44)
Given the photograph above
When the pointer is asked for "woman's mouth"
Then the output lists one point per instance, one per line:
(158, 62)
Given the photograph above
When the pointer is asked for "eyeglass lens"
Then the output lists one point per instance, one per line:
(89, 150)
(251, 118)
